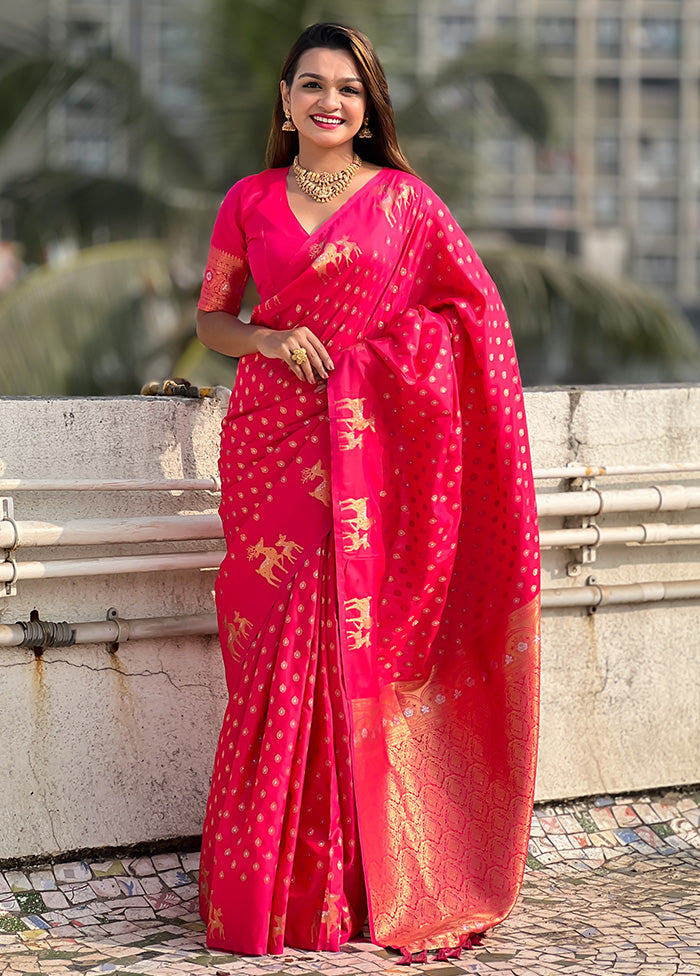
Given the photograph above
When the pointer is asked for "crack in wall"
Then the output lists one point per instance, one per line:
(42, 792)
(126, 674)
(573, 441)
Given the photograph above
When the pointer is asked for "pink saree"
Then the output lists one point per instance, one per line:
(379, 601)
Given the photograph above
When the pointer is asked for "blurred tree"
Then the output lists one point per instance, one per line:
(96, 324)
(574, 326)
(467, 97)
(558, 309)
(59, 324)
(51, 204)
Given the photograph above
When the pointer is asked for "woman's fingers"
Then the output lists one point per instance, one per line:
(321, 351)
(317, 361)
(314, 364)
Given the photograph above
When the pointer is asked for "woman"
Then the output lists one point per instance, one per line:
(378, 604)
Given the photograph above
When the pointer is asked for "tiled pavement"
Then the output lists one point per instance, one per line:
(612, 886)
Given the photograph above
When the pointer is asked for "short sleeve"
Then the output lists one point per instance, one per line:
(227, 264)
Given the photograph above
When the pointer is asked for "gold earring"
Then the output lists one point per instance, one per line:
(288, 125)
(365, 132)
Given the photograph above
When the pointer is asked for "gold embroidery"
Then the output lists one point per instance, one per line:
(216, 287)
(216, 925)
(333, 254)
(277, 926)
(394, 198)
(358, 627)
(358, 423)
(273, 559)
(288, 548)
(237, 633)
(356, 526)
(204, 884)
(322, 491)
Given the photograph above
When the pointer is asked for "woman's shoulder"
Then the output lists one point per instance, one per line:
(421, 190)
(257, 182)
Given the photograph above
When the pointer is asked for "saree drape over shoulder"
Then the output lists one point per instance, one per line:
(379, 601)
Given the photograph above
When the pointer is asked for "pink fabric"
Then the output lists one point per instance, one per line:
(383, 691)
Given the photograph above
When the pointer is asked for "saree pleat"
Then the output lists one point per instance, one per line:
(379, 600)
(280, 854)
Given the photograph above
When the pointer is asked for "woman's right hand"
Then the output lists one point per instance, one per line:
(281, 345)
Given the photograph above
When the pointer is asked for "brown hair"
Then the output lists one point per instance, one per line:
(383, 148)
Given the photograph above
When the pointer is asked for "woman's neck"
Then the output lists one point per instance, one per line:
(325, 160)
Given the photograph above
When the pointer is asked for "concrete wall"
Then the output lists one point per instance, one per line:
(620, 688)
(99, 749)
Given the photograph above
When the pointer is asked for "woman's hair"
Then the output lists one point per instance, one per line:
(383, 148)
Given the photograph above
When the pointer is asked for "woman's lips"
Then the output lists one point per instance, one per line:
(326, 121)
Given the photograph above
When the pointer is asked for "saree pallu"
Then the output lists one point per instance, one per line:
(379, 601)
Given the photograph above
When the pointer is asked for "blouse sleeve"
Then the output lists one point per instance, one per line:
(227, 264)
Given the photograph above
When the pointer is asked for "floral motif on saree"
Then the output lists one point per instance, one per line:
(223, 273)
(384, 695)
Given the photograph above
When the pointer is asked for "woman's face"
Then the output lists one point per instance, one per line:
(326, 99)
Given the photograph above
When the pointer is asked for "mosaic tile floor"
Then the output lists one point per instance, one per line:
(612, 886)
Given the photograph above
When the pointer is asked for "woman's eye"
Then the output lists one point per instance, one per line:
(351, 91)
(312, 84)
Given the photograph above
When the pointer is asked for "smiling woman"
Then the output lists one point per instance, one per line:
(379, 601)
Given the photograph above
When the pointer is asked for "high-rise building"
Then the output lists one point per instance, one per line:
(625, 175)
(158, 38)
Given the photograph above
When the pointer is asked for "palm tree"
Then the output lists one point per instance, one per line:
(75, 305)
(554, 305)
(574, 326)
(571, 324)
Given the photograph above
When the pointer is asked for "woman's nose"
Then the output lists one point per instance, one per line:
(330, 98)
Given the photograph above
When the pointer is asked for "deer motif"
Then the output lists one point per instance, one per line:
(333, 254)
(358, 423)
(357, 525)
(322, 491)
(394, 199)
(273, 559)
(237, 633)
(288, 548)
(360, 625)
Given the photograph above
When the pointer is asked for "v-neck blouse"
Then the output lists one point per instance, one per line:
(256, 232)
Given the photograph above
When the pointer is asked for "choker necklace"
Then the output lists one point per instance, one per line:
(322, 187)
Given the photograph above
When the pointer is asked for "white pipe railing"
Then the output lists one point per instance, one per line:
(659, 498)
(593, 595)
(85, 532)
(658, 533)
(612, 470)
(109, 565)
(118, 630)
(163, 484)
(213, 484)
(187, 528)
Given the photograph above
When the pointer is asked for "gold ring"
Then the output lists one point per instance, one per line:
(299, 356)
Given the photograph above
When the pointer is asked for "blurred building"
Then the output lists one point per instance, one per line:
(624, 178)
(159, 38)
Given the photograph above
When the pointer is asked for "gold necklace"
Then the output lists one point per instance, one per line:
(322, 187)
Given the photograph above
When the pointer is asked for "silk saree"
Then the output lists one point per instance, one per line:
(378, 605)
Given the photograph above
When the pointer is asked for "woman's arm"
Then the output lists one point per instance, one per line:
(227, 334)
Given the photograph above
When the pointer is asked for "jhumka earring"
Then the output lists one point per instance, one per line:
(365, 132)
(288, 125)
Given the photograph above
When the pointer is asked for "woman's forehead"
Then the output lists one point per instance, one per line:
(328, 63)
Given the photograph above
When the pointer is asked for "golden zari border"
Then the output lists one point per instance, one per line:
(217, 294)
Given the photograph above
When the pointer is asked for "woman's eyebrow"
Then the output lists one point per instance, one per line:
(310, 74)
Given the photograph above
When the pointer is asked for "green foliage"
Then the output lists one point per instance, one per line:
(445, 116)
(245, 45)
(99, 324)
(574, 326)
(110, 318)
